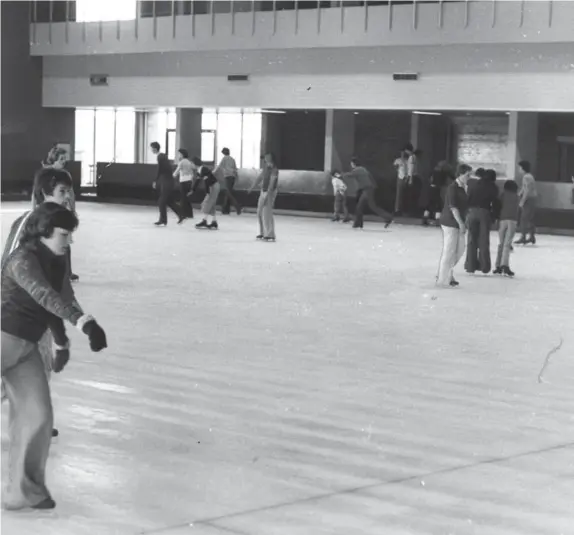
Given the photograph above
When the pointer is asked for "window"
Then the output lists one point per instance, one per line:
(84, 144)
(251, 140)
(238, 130)
(229, 134)
(125, 136)
(208, 146)
(105, 134)
(94, 11)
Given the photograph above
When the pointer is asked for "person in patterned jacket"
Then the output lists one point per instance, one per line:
(32, 280)
(50, 185)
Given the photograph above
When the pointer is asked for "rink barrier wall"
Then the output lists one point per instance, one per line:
(18, 175)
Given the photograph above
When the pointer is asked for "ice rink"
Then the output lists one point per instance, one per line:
(317, 385)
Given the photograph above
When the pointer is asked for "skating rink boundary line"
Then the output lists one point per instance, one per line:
(212, 522)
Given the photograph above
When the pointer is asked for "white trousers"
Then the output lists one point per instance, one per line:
(453, 244)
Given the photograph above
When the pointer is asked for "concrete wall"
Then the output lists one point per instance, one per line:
(420, 23)
(527, 92)
(28, 130)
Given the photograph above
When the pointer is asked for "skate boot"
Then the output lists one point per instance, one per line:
(497, 271)
(201, 225)
(521, 241)
(531, 240)
(213, 225)
(506, 270)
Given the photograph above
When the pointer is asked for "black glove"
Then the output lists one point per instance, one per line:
(96, 335)
(60, 359)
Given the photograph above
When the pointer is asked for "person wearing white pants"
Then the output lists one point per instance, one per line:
(268, 178)
(452, 222)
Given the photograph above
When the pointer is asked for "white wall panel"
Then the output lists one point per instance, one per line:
(512, 91)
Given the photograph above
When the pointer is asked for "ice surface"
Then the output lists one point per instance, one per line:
(317, 385)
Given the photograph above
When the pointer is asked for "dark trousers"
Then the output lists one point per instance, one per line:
(186, 210)
(478, 246)
(228, 197)
(366, 197)
(166, 198)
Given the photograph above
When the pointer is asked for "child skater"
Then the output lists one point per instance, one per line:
(269, 179)
(212, 189)
(509, 208)
(340, 191)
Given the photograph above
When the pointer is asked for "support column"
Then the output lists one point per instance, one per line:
(339, 139)
(188, 130)
(522, 140)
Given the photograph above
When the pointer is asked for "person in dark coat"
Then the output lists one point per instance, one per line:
(482, 205)
(166, 184)
(432, 197)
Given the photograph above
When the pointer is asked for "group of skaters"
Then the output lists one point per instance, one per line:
(37, 297)
(37, 292)
(193, 174)
(469, 212)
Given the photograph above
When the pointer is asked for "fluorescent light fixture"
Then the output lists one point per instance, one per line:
(273, 111)
(426, 113)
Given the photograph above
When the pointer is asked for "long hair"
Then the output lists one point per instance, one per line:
(44, 219)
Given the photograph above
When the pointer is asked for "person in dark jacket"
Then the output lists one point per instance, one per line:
(212, 189)
(32, 302)
(508, 216)
(366, 186)
(452, 222)
(482, 204)
(441, 177)
(166, 184)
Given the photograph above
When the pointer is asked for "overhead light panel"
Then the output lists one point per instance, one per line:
(426, 113)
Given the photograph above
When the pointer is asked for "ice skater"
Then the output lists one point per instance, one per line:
(54, 186)
(57, 159)
(400, 164)
(227, 168)
(184, 172)
(165, 183)
(269, 180)
(482, 205)
(212, 189)
(508, 217)
(528, 196)
(366, 186)
(32, 301)
(452, 222)
(440, 179)
(340, 192)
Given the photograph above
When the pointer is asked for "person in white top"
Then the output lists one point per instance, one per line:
(400, 164)
(340, 191)
(227, 168)
(527, 204)
(185, 170)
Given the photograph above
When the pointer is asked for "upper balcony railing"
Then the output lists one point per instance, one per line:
(88, 26)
